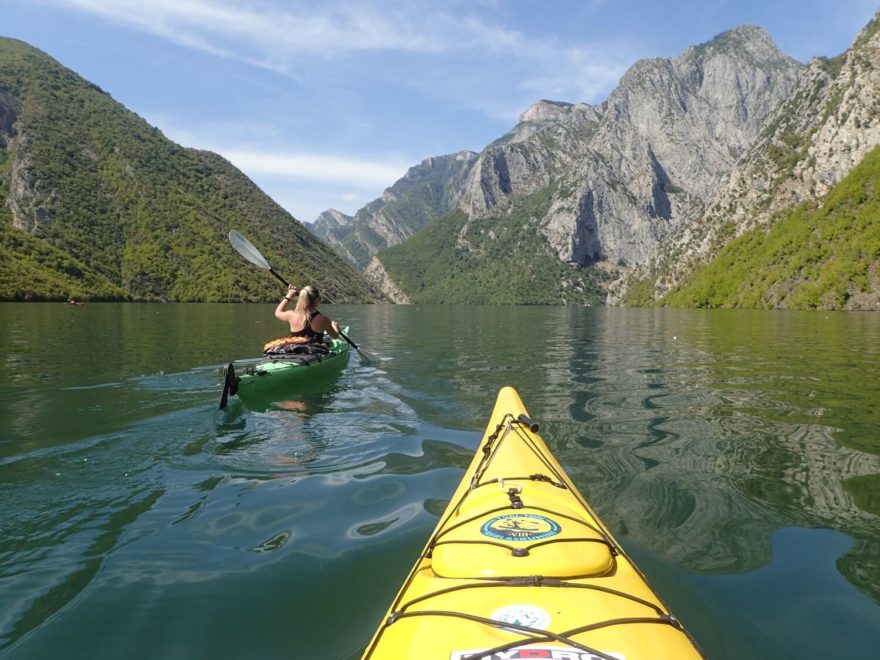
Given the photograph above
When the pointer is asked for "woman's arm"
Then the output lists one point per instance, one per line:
(281, 310)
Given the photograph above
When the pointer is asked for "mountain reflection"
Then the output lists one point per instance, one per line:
(699, 434)
(696, 433)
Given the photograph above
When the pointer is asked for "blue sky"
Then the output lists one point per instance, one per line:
(324, 104)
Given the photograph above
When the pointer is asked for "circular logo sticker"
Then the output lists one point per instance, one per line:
(520, 527)
(522, 615)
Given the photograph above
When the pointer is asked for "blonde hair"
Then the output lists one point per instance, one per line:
(306, 302)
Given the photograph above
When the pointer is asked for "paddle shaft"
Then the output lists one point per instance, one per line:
(280, 279)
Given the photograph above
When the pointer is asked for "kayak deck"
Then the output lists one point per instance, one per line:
(519, 566)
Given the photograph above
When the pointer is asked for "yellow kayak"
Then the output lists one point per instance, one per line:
(519, 566)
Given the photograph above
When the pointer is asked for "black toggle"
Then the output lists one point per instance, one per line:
(515, 499)
(524, 419)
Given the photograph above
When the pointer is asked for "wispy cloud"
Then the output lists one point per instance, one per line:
(579, 73)
(301, 27)
(461, 54)
(283, 37)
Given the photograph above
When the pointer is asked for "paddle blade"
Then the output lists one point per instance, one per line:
(230, 384)
(246, 249)
(367, 356)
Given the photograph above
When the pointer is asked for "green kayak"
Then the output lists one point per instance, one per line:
(278, 375)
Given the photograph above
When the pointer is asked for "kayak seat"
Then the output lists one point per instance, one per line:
(298, 358)
(297, 349)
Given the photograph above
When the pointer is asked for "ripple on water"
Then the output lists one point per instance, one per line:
(333, 432)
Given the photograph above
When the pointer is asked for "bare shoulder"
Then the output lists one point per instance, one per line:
(321, 322)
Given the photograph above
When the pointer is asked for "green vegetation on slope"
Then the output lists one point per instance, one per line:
(826, 257)
(423, 194)
(640, 293)
(107, 208)
(499, 260)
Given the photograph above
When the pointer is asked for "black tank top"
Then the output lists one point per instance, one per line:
(307, 331)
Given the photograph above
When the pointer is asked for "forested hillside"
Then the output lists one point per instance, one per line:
(825, 256)
(97, 204)
(504, 261)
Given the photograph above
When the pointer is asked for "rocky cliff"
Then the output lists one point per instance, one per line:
(646, 161)
(827, 125)
(628, 173)
(427, 191)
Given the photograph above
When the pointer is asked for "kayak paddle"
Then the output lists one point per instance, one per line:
(246, 249)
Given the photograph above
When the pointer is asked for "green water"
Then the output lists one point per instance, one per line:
(736, 456)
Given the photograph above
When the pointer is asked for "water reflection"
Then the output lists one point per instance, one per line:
(725, 450)
(388, 521)
(59, 553)
(698, 434)
(694, 433)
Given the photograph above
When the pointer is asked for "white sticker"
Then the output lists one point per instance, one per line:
(522, 615)
(532, 652)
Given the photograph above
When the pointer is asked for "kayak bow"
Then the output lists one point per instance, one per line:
(519, 566)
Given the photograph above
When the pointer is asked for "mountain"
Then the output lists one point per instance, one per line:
(427, 191)
(98, 204)
(623, 201)
(829, 124)
(618, 178)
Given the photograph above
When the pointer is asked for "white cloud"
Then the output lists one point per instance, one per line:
(355, 172)
(484, 67)
(460, 55)
(307, 202)
(286, 165)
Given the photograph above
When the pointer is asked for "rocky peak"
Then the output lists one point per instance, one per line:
(546, 111)
(646, 160)
(744, 42)
(428, 167)
(728, 72)
(426, 191)
(332, 219)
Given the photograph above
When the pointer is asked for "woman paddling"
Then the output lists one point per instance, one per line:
(305, 320)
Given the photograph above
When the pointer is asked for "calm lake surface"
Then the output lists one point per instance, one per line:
(735, 455)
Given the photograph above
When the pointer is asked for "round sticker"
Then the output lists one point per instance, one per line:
(522, 615)
(520, 527)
